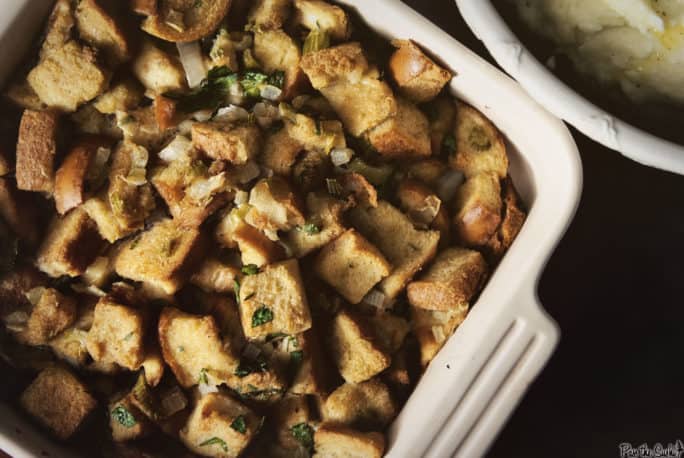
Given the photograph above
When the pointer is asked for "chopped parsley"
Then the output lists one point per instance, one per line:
(309, 229)
(250, 367)
(239, 424)
(252, 82)
(124, 417)
(250, 269)
(303, 433)
(203, 378)
(209, 94)
(449, 145)
(215, 441)
(261, 316)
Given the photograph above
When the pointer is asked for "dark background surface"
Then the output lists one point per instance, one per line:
(615, 285)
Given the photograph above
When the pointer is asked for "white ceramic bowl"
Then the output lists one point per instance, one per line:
(476, 380)
(563, 101)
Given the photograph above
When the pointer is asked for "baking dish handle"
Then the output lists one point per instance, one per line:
(521, 343)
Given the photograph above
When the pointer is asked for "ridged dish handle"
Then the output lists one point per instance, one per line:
(519, 344)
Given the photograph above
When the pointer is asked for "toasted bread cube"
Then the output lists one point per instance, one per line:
(321, 15)
(357, 355)
(419, 202)
(116, 335)
(433, 328)
(513, 219)
(453, 279)
(36, 150)
(343, 76)
(219, 426)
(480, 147)
(215, 276)
(72, 244)
(161, 257)
(367, 406)
(101, 31)
(478, 209)
(71, 175)
(405, 247)
(269, 14)
(53, 313)
(312, 375)
(324, 225)
(428, 171)
(255, 247)
(15, 284)
(187, 21)
(419, 78)
(126, 421)
(315, 135)
(351, 265)
(235, 144)
(291, 415)
(140, 127)
(276, 50)
(274, 301)
(405, 134)
(274, 206)
(68, 77)
(280, 152)
(100, 211)
(442, 116)
(58, 400)
(125, 95)
(158, 71)
(191, 345)
(70, 346)
(333, 441)
(59, 27)
(390, 330)
(19, 212)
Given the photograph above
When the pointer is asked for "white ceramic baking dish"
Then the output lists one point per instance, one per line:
(481, 374)
(563, 101)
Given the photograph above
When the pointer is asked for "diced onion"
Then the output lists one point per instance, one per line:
(251, 351)
(179, 148)
(375, 298)
(96, 167)
(202, 115)
(231, 113)
(34, 295)
(88, 289)
(438, 334)
(173, 401)
(185, 127)
(137, 175)
(236, 95)
(334, 187)
(269, 92)
(193, 62)
(203, 189)
(427, 213)
(272, 235)
(241, 197)
(448, 184)
(341, 156)
(205, 389)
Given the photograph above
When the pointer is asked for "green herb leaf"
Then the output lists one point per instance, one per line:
(124, 417)
(303, 433)
(250, 367)
(309, 228)
(215, 441)
(297, 356)
(277, 79)
(261, 316)
(252, 82)
(239, 424)
(449, 145)
(209, 94)
(203, 377)
(250, 269)
(316, 40)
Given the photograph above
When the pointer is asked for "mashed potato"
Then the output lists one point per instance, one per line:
(638, 44)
